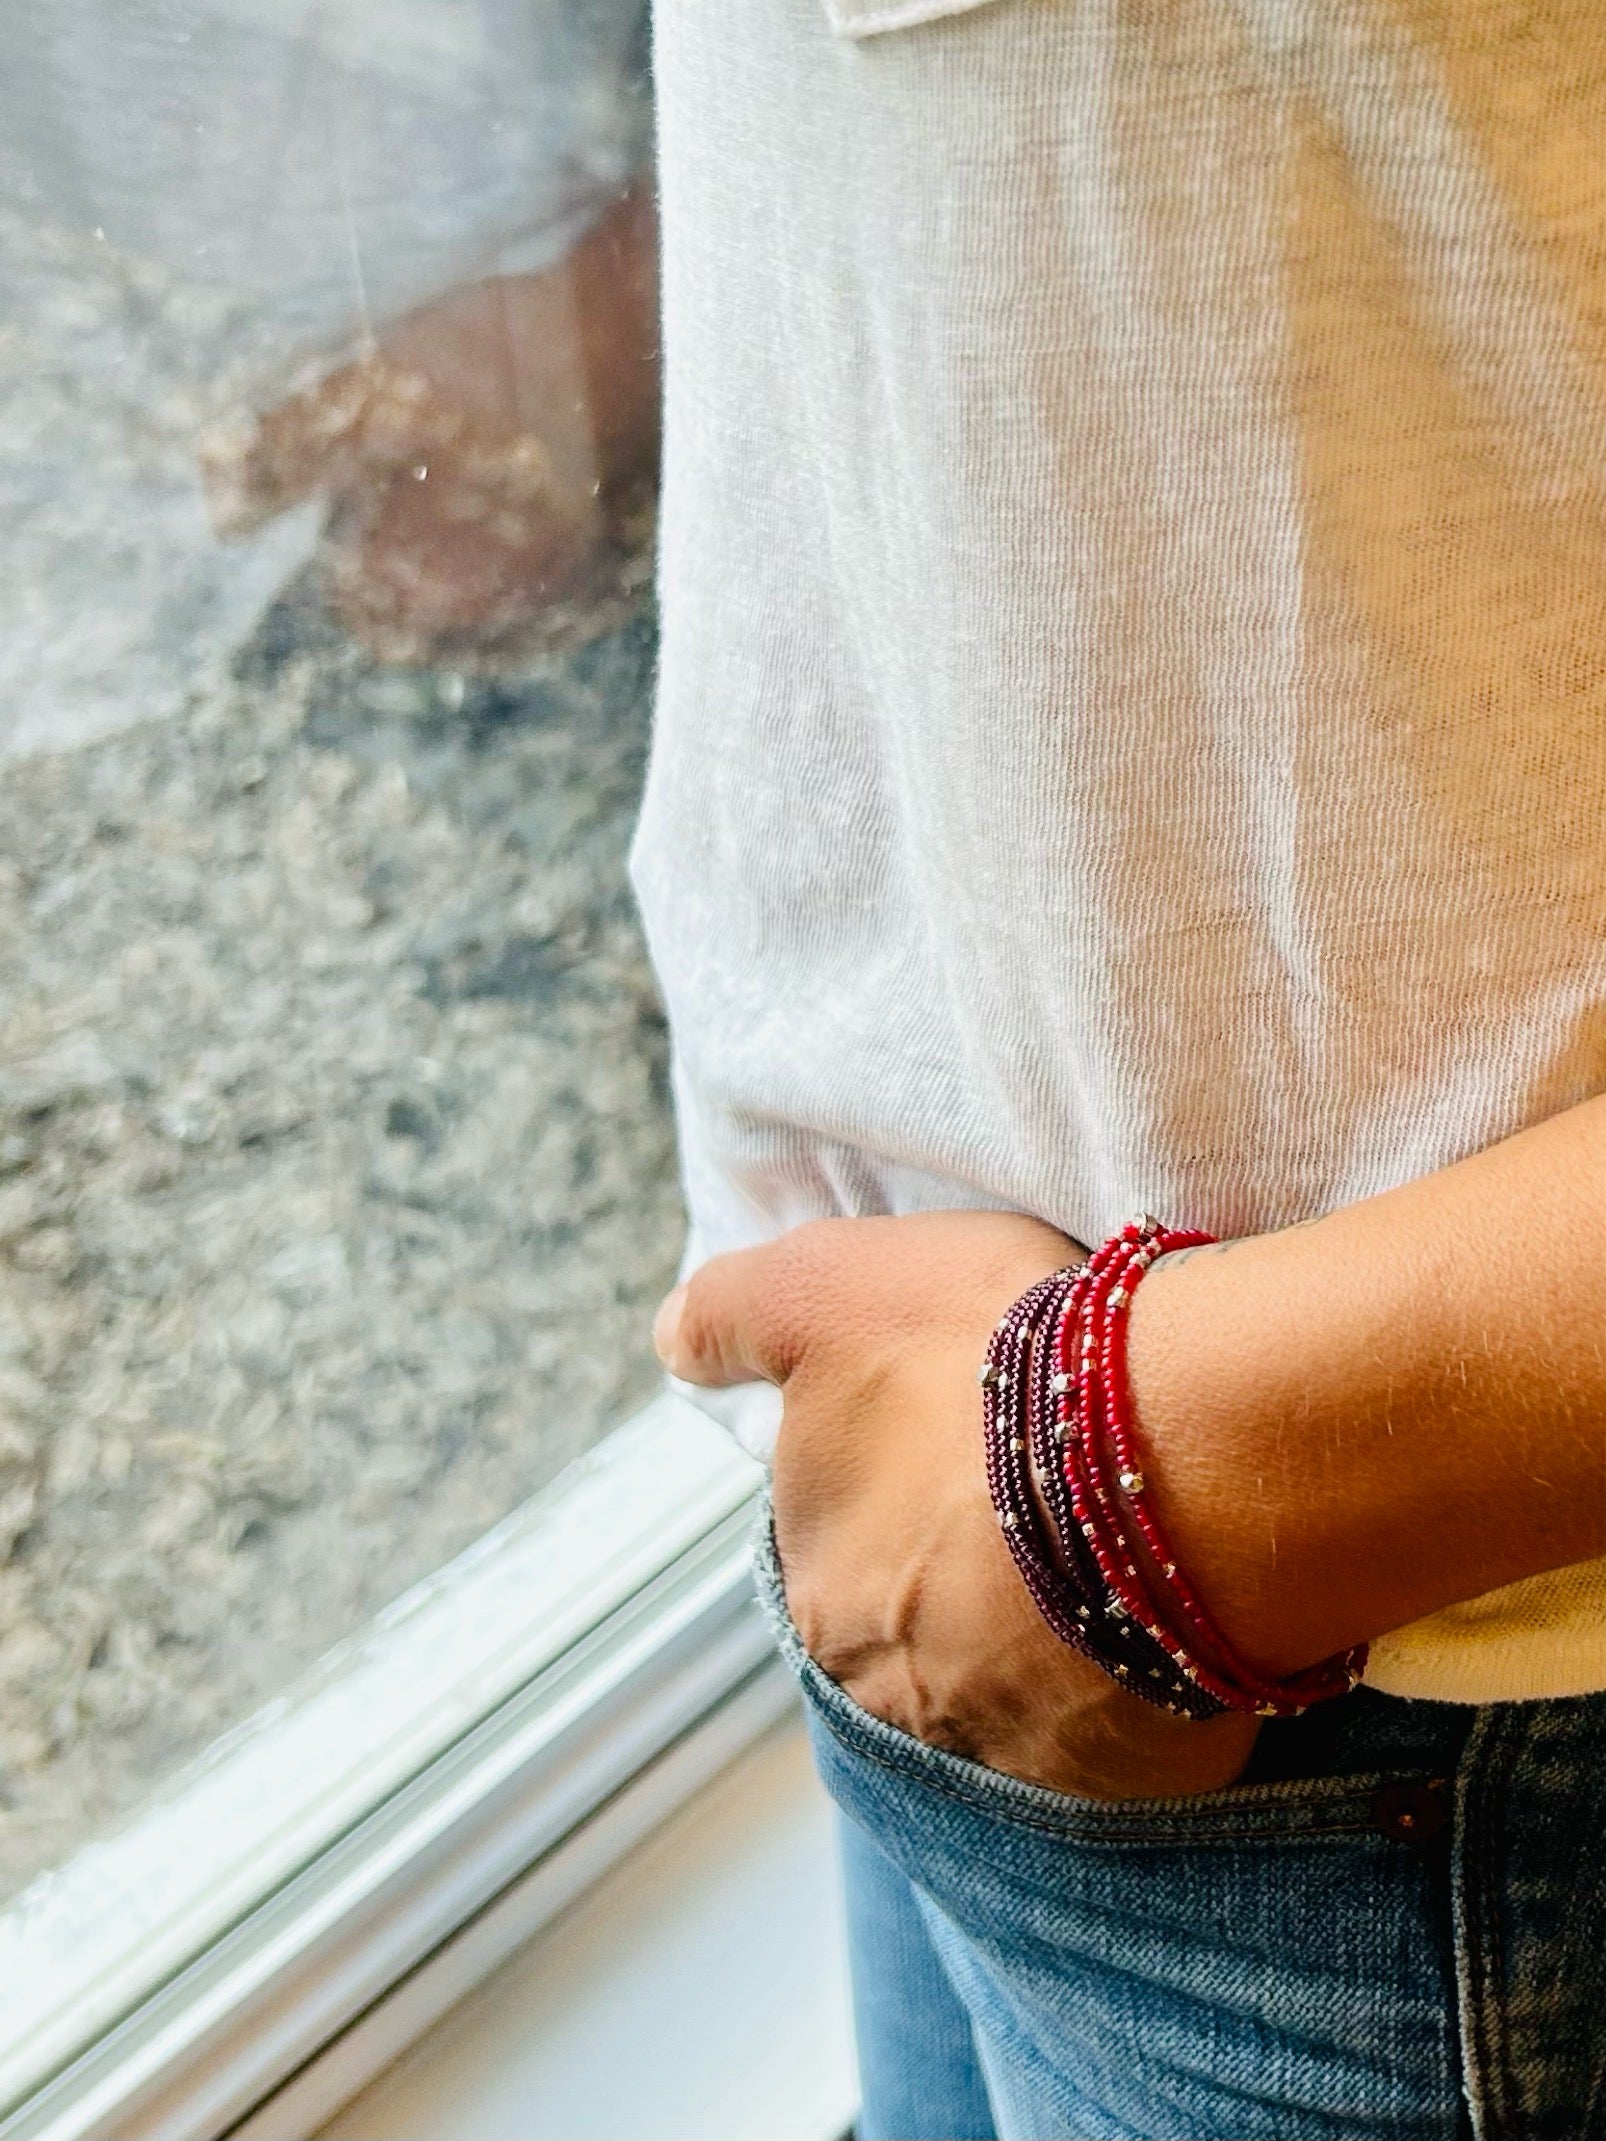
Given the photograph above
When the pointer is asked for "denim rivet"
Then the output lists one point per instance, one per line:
(1410, 1813)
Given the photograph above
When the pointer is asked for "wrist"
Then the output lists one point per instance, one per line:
(1351, 1425)
(1258, 1380)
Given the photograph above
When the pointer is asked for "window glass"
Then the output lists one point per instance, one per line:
(336, 1174)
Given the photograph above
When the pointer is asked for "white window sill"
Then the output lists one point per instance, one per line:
(696, 1993)
(599, 1650)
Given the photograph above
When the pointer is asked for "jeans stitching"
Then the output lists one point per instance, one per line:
(1343, 1814)
(1486, 2078)
(1331, 1810)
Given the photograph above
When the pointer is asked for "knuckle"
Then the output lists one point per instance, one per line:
(702, 1336)
(695, 1321)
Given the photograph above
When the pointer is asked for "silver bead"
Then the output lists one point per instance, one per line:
(1060, 1383)
(1119, 1297)
(1131, 1481)
(1007, 1520)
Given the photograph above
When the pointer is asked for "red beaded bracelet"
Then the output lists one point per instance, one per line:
(1103, 1439)
(1054, 1561)
(1116, 1571)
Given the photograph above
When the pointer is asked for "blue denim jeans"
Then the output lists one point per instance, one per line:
(1393, 1929)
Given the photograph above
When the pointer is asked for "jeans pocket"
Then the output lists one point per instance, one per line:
(1405, 1801)
(1264, 1961)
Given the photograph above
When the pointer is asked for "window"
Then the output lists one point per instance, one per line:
(336, 1164)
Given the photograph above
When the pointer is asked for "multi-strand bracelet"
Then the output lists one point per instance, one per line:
(1066, 1478)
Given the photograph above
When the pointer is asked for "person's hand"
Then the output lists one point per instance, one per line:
(490, 464)
(897, 1575)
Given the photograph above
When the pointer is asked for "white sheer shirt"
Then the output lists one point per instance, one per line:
(1132, 718)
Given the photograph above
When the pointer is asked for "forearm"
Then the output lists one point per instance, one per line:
(1355, 1422)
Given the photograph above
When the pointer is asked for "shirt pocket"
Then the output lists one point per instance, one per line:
(869, 18)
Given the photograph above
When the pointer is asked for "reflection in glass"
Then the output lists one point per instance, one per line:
(336, 1180)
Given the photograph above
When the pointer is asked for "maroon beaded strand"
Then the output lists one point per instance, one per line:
(1004, 1377)
(1130, 1650)
(1018, 1389)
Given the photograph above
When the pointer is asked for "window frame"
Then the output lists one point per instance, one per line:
(604, 1635)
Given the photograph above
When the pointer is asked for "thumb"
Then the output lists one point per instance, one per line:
(740, 1318)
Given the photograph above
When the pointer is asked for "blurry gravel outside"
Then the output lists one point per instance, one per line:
(336, 1175)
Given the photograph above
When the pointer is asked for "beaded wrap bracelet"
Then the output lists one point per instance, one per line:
(1065, 1475)
(1056, 1559)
